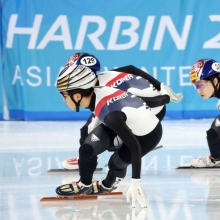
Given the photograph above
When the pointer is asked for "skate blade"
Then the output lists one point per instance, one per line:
(65, 171)
(79, 197)
(66, 198)
(110, 194)
(197, 168)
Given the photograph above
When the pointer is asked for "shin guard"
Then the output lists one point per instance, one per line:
(117, 171)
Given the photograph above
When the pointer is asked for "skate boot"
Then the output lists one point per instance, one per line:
(73, 189)
(78, 188)
(71, 163)
(99, 188)
(207, 161)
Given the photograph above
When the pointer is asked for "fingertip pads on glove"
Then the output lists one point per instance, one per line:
(135, 193)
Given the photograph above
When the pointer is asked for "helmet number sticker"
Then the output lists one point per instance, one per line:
(88, 61)
(216, 66)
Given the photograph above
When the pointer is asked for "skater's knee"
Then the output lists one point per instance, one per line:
(86, 151)
(212, 133)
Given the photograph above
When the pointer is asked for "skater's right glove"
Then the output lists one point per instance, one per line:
(166, 90)
(135, 193)
(218, 105)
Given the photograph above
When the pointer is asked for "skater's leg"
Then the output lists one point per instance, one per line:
(117, 169)
(162, 113)
(91, 124)
(147, 142)
(96, 142)
(213, 138)
(121, 158)
(151, 140)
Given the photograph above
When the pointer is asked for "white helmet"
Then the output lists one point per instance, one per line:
(75, 77)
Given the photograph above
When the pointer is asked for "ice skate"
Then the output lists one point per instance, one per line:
(74, 188)
(204, 162)
(80, 191)
(78, 188)
(99, 188)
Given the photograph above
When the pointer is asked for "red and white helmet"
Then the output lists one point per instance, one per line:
(85, 59)
(203, 69)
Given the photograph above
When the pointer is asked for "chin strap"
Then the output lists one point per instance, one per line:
(215, 88)
(76, 103)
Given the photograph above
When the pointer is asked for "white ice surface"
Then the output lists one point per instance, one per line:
(29, 149)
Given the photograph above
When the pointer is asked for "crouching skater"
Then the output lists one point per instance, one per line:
(129, 128)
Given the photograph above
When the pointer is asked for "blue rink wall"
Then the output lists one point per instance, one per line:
(162, 38)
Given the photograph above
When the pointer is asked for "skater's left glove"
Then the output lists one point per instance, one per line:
(166, 90)
(135, 193)
(218, 105)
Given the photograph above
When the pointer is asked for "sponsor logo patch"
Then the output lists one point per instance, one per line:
(194, 72)
(72, 59)
(116, 98)
(193, 76)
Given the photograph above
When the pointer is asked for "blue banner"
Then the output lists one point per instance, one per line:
(162, 38)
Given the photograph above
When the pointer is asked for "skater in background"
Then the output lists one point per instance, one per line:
(128, 125)
(127, 78)
(205, 76)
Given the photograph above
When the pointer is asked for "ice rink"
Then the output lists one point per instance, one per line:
(29, 149)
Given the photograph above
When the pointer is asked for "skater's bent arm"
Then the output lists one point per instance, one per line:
(138, 72)
(156, 101)
(116, 121)
(151, 101)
